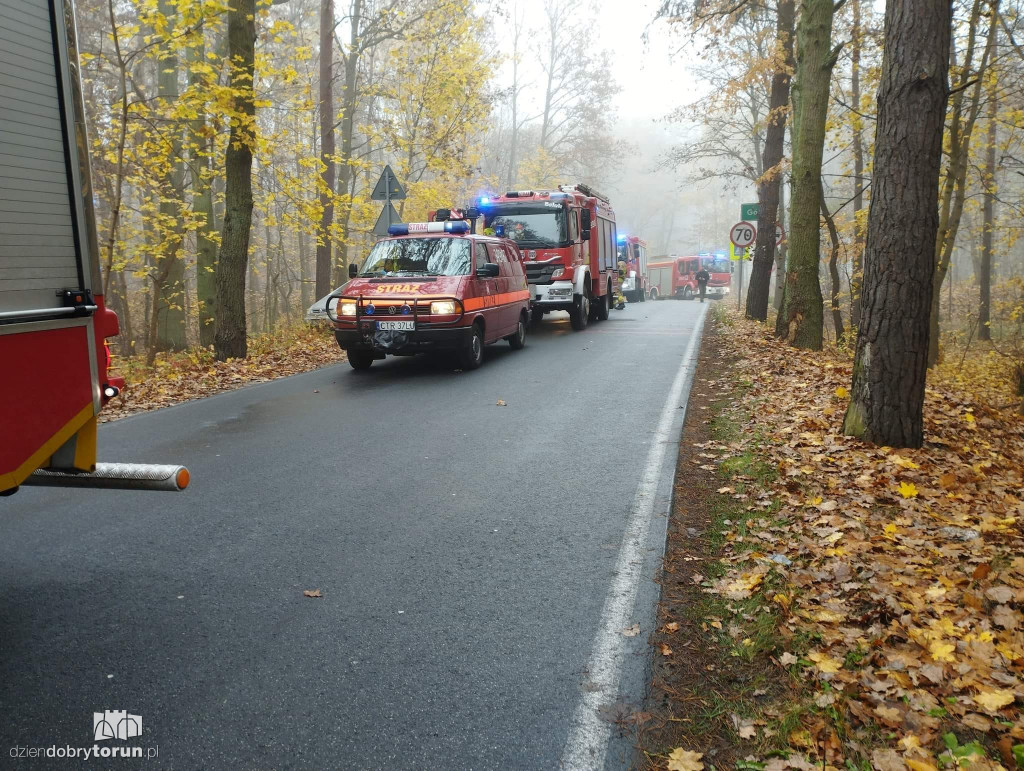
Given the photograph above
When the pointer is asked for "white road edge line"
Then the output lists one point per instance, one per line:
(589, 732)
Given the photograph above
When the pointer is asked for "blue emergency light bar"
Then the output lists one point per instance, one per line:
(623, 236)
(412, 228)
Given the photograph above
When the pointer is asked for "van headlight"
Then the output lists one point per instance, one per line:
(346, 308)
(443, 308)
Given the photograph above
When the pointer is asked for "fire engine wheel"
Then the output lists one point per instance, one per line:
(517, 341)
(604, 306)
(643, 295)
(360, 361)
(580, 313)
(536, 315)
(472, 354)
(687, 293)
(654, 295)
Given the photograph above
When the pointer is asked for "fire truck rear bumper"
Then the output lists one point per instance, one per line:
(552, 297)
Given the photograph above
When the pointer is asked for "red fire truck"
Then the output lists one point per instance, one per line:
(567, 238)
(633, 252)
(53, 322)
(677, 276)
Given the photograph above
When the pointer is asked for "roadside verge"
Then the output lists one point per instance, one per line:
(826, 603)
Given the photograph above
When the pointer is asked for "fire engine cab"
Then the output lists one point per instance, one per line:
(677, 276)
(53, 321)
(567, 237)
(432, 286)
(633, 252)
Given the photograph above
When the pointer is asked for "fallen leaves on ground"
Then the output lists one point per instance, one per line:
(193, 374)
(312, 593)
(684, 760)
(898, 576)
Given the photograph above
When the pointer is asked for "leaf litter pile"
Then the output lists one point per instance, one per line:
(893, 581)
(193, 374)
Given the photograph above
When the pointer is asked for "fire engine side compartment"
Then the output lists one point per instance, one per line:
(46, 398)
(52, 353)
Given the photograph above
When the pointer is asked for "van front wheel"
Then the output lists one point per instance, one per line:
(472, 354)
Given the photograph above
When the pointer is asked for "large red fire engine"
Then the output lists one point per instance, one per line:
(635, 282)
(567, 237)
(53, 322)
(677, 276)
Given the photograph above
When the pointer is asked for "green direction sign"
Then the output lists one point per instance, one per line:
(749, 211)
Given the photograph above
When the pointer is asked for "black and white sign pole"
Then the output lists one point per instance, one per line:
(387, 189)
(742, 236)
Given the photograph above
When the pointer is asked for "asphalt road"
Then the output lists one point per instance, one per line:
(465, 553)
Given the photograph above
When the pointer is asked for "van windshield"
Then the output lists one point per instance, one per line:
(418, 257)
(531, 225)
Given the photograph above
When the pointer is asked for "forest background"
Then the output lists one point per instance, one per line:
(664, 107)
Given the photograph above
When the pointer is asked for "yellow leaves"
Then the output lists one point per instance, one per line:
(824, 662)
(941, 650)
(995, 700)
(685, 760)
(902, 462)
(919, 765)
(842, 393)
(889, 531)
(743, 586)
(908, 489)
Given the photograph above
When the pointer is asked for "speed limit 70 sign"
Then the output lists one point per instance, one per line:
(743, 234)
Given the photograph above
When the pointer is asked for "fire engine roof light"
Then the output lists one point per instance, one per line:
(484, 200)
(412, 228)
(623, 236)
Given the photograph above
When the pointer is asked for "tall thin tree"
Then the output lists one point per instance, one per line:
(802, 317)
(770, 182)
(232, 261)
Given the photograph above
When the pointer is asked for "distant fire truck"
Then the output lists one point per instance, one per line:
(633, 252)
(53, 322)
(567, 238)
(677, 276)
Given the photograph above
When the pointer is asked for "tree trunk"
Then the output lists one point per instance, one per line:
(988, 217)
(323, 243)
(833, 270)
(349, 104)
(169, 297)
(858, 169)
(230, 336)
(780, 257)
(887, 395)
(771, 180)
(954, 190)
(802, 311)
(202, 205)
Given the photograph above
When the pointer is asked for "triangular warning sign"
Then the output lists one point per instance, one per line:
(388, 187)
(381, 228)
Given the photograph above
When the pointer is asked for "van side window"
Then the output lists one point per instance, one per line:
(497, 253)
(481, 255)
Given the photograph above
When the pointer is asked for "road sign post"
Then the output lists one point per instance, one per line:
(387, 189)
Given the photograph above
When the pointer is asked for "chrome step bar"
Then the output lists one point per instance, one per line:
(116, 476)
